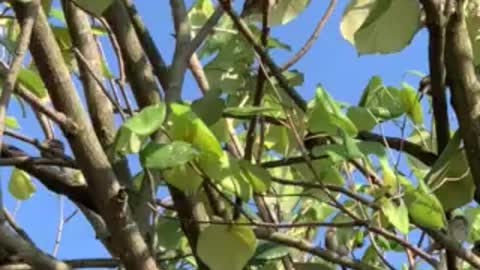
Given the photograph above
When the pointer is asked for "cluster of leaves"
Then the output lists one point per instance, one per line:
(196, 134)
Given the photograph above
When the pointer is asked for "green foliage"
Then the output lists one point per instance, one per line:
(325, 116)
(473, 217)
(450, 176)
(183, 177)
(164, 156)
(131, 135)
(396, 213)
(424, 208)
(226, 247)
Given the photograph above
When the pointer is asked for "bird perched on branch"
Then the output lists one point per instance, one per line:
(255, 7)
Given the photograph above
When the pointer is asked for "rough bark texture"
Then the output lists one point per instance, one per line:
(465, 90)
(103, 186)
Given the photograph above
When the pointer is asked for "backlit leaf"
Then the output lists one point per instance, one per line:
(226, 247)
(20, 185)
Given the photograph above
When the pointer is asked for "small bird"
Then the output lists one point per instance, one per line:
(255, 7)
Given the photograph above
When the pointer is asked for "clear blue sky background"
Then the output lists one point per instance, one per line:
(332, 62)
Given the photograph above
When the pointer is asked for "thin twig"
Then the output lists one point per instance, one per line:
(61, 222)
(99, 82)
(316, 32)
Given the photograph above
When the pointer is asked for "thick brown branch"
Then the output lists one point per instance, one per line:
(107, 194)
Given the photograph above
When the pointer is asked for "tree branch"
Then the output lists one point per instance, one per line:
(309, 43)
(107, 194)
(23, 41)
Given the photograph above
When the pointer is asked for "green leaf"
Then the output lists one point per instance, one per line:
(199, 14)
(450, 176)
(248, 110)
(423, 138)
(147, 121)
(362, 118)
(258, 177)
(473, 217)
(163, 156)
(373, 85)
(282, 12)
(187, 126)
(326, 116)
(32, 81)
(424, 208)
(383, 102)
(209, 108)
(235, 182)
(96, 7)
(183, 177)
(397, 215)
(137, 180)
(270, 251)
(226, 247)
(412, 104)
(170, 234)
(11, 122)
(380, 26)
(127, 142)
(20, 185)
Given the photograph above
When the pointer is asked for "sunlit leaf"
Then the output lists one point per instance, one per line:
(20, 185)
(226, 247)
(127, 142)
(11, 122)
(258, 177)
(147, 121)
(163, 156)
(397, 215)
(183, 177)
(326, 116)
(380, 26)
(283, 12)
(362, 118)
(32, 81)
(424, 208)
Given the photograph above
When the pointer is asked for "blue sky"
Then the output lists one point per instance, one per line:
(332, 62)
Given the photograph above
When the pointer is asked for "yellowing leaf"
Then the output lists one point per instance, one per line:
(20, 185)
(379, 27)
(226, 247)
